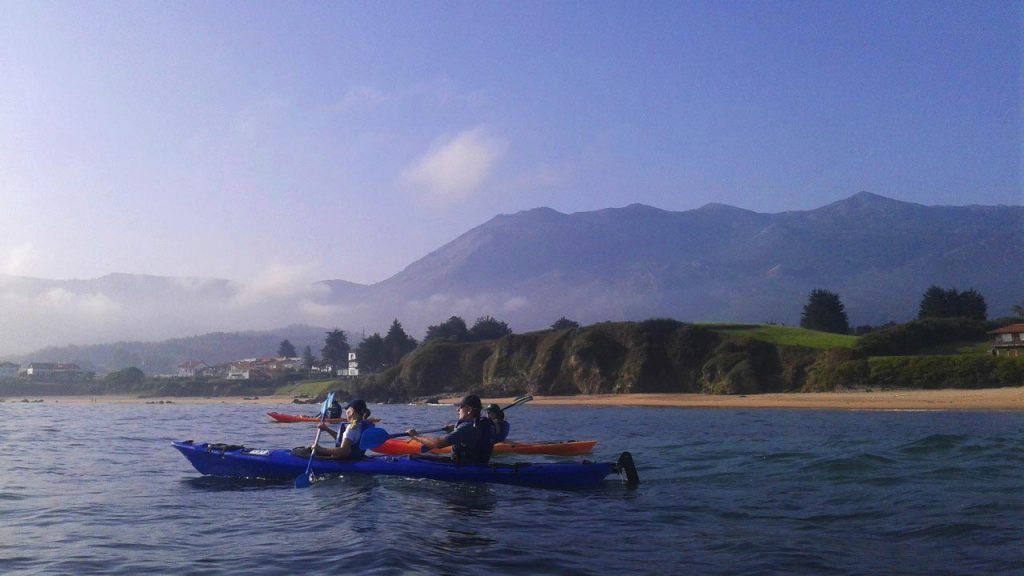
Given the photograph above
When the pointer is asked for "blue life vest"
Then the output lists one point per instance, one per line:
(355, 452)
(476, 447)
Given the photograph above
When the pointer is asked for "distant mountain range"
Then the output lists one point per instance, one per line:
(714, 264)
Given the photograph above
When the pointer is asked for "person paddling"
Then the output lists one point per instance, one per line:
(501, 426)
(472, 438)
(358, 421)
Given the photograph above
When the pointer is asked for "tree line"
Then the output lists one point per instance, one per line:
(824, 311)
(376, 353)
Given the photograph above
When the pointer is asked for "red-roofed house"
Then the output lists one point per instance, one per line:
(1008, 340)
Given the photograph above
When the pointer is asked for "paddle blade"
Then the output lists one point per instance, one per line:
(519, 400)
(372, 438)
(303, 481)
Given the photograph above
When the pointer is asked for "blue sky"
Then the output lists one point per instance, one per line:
(276, 143)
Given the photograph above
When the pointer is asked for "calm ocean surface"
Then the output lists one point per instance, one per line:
(98, 489)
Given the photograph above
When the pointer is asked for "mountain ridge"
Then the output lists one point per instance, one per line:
(716, 263)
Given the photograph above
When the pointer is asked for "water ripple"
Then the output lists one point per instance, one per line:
(722, 492)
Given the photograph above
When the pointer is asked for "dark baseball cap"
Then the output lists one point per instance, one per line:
(471, 401)
(358, 405)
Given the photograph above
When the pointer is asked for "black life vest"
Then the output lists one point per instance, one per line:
(477, 447)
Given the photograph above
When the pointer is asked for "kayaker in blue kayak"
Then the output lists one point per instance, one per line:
(501, 426)
(472, 439)
(358, 421)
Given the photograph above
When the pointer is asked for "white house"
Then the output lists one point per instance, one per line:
(353, 366)
(1008, 341)
(54, 371)
(191, 369)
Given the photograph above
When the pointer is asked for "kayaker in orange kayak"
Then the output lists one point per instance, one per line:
(471, 440)
(348, 447)
(501, 426)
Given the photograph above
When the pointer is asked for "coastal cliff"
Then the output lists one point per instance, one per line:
(667, 356)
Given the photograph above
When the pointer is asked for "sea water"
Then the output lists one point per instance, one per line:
(97, 489)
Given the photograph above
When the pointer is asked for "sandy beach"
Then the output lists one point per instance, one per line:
(1004, 399)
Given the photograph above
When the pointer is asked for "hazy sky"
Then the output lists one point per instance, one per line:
(316, 140)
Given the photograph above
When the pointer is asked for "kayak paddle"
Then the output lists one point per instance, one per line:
(519, 400)
(303, 481)
(374, 437)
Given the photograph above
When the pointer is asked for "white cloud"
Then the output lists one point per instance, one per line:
(17, 260)
(89, 305)
(278, 282)
(515, 304)
(454, 170)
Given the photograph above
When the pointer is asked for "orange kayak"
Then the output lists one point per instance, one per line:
(399, 446)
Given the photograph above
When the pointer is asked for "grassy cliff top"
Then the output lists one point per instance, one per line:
(786, 335)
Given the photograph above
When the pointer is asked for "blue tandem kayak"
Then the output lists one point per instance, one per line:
(241, 462)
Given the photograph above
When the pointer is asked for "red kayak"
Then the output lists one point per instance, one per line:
(400, 446)
(278, 417)
(290, 418)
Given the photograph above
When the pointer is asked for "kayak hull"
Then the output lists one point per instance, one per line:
(240, 462)
(400, 446)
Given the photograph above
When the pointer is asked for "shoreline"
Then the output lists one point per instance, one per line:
(986, 399)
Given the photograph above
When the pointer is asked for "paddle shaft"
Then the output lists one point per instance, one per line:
(303, 481)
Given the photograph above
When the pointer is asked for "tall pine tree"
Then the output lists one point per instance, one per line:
(335, 350)
(825, 312)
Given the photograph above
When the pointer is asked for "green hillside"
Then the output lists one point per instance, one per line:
(786, 335)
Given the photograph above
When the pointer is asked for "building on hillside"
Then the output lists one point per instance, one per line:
(286, 364)
(217, 371)
(353, 366)
(54, 371)
(246, 372)
(9, 369)
(191, 369)
(1008, 340)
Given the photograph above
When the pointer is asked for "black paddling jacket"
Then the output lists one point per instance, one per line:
(472, 441)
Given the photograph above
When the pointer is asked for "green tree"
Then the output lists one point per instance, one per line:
(1018, 309)
(372, 353)
(564, 323)
(286, 349)
(335, 350)
(824, 311)
(971, 304)
(939, 303)
(397, 343)
(488, 328)
(131, 375)
(454, 330)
